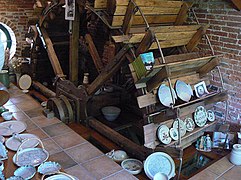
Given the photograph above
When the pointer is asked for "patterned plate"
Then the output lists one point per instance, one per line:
(190, 125)
(174, 134)
(200, 116)
(182, 126)
(211, 115)
(163, 134)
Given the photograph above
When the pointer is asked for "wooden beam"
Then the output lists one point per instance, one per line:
(208, 67)
(196, 38)
(237, 3)
(108, 71)
(129, 15)
(74, 48)
(94, 53)
(51, 54)
(157, 79)
(135, 150)
(182, 15)
(145, 43)
(46, 92)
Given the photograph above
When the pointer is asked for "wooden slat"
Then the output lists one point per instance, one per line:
(100, 4)
(147, 100)
(208, 67)
(93, 52)
(182, 15)
(171, 43)
(129, 15)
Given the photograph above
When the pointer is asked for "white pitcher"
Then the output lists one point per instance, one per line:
(235, 156)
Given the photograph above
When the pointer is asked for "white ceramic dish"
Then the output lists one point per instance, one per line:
(15, 141)
(2, 139)
(163, 134)
(200, 116)
(7, 128)
(26, 172)
(25, 82)
(133, 166)
(119, 156)
(7, 115)
(184, 91)
(183, 129)
(111, 112)
(211, 115)
(15, 178)
(61, 177)
(165, 97)
(159, 162)
(49, 168)
(3, 152)
(160, 176)
(174, 134)
(190, 125)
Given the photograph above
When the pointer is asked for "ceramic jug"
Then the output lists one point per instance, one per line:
(235, 156)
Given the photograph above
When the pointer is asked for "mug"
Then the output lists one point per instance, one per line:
(4, 78)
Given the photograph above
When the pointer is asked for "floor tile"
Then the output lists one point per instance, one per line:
(38, 132)
(83, 152)
(56, 129)
(28, 105)
(220, 166)
(51, 146)
(63, 140)
(80, 172)
(20, 115)
(34, 112)
(42, 121)
(205, 174)
(63, 159)
(233, 173)
(101, 167)
(29, 123)
(120, 176)
(20, 99)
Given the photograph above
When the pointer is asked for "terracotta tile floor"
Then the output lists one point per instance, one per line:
(75, 154)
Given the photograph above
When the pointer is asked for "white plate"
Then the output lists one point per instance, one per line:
(163, 134)
(159, 162)
(174, 134)
(60, 177)
(190, 125)
(49, 168)
(26, 172)
(184, 91)
(200, 116)
(183, 129)
(2, 139)
(3, 152)
(165, 97)
(133, 166)
(7, 128)
(25, 82)
(211, 115)
(13, 143)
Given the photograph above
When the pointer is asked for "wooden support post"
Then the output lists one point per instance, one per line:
(145, 43)
(129, 15)
(108, 71)
(138, 151)
(74, 48)
(208, 67)
(196, 38)
(51, 54)
(93, 52)
(157, 79)
(46, 92)
(182, 15)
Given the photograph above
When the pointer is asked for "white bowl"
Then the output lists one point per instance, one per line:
(7, 115)
(160, 176)
(119, 155)
(133, 166)
(111, 112)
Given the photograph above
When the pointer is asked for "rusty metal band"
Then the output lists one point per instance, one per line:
(59, 107)
(68, 106)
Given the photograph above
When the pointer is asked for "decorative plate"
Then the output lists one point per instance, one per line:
(163, 134)
(190, 125)
(183, 129)
(200, 116)
(7, 128)
(165, 97)
(30, 156)
(159, 162)
(2, 139)
(26, 172)
(184, 91)
(15, 178)
(3, 152)
(49, 168)
(25, 82)
(211, 115)
(16, 140)
(133, 166)
(61, 177)
(174, 134)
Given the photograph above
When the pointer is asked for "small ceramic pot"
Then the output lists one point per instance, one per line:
(235, 156)
(7, 115)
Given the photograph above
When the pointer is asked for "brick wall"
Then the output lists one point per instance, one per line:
(15, 14)
(225, 36)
